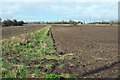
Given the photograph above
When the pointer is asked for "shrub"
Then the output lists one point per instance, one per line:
(12, 23)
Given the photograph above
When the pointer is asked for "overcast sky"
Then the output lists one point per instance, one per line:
(59, 10)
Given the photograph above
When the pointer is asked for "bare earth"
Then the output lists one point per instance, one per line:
(89, 51)
(8, 32)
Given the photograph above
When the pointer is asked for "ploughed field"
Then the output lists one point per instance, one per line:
(84, 50)
(89, 51)
(8, 32)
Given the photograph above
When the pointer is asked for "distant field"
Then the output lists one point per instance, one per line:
(11, 31)
(16, 30)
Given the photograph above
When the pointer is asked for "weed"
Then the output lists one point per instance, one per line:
(52, 76)
(37, 71)
(66, 75)
(48, 66)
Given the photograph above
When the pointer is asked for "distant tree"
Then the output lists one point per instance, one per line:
(47, 22)
(70, 22)
(15, 23)
(12, 23)
(118, 22)
(20, 23)
(38, 22)
(0, 22)
(79, 22)
(7, 23)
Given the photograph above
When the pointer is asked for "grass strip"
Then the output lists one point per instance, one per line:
(28, 55)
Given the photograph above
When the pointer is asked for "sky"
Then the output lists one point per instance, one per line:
(59, 10)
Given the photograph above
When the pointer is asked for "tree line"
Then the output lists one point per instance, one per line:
(14, 22)
(59, 22)
(111, 22)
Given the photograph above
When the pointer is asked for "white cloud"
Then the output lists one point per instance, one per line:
(64, 10)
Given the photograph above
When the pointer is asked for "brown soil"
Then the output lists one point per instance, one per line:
(16, 30)
(89, 51)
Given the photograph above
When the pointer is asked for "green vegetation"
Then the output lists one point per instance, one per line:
(28, 57)
(52, 76)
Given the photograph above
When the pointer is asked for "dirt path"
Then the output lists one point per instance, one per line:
(88, 51)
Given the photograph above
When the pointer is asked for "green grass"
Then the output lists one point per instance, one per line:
(25, 57)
